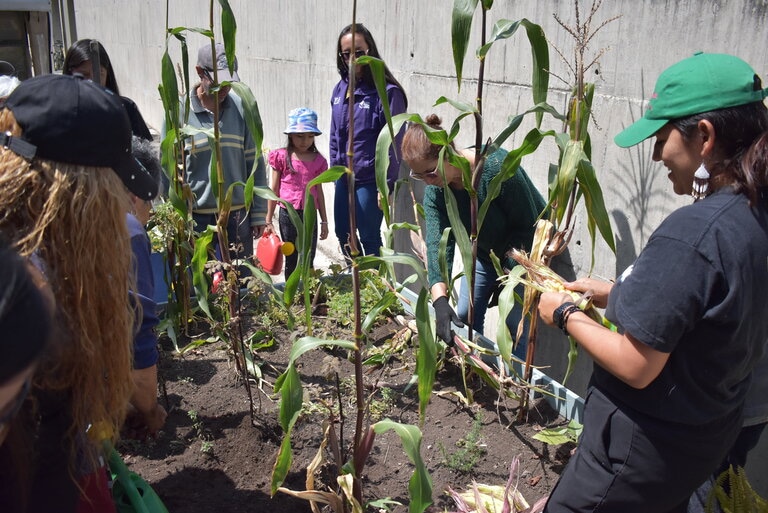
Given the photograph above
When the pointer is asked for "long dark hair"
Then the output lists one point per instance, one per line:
(736, 128)
(752, 178)
(80, 52)
(373, 51)
(290, 149)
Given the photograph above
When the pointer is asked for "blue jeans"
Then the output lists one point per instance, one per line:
(368, 216)
(485, 285)
(239, 233)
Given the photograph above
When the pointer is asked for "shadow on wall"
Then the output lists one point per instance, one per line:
(636, 189)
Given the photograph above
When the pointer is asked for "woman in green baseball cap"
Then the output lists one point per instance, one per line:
(665, 402)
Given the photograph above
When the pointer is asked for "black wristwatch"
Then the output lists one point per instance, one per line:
(561, 314)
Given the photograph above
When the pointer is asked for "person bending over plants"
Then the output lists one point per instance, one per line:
(509, 223)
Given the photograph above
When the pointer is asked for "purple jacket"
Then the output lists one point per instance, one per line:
(369, 120)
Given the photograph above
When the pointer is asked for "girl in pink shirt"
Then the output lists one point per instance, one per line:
(293, 167)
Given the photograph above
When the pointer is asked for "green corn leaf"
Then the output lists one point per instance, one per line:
(291, 392)
(228, 32)
(381, 305)
(420, 484)
(252, 117)
(176, 31)
(461, 27)
(539, 64)
(282, 463)
(426, 356)
(462, 107)
(170, 89)
(383, 143)
(390, 257)
(515, 121)
(502, 29)
(509, 167)
(597, 213)
(504, 339)
(199, 259)
(566, 178)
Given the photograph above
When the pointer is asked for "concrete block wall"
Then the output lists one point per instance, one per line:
(286, 51)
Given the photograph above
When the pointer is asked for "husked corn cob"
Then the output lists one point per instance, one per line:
(492, 498)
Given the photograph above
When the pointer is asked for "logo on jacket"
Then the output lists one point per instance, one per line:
(364, 105)
(626, 273)
(337, 100)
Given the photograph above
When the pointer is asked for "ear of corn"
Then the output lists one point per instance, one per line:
(482, 498)
(541, 278)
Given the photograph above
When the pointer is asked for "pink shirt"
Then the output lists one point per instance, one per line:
(294, 182)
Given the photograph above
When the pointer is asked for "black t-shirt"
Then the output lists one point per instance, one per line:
(697, 291)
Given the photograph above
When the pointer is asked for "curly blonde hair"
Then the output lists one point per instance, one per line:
(72, 218)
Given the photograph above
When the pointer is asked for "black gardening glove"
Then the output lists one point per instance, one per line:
(444, 316)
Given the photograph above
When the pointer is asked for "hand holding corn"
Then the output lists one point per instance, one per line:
(598, 289)
(548, 301)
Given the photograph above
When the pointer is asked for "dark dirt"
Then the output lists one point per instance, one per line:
(211, 456)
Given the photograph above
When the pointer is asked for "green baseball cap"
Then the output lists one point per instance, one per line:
(702, 83)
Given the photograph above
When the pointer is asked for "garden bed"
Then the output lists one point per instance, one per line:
(211, 456)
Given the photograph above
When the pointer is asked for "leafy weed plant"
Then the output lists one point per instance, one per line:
(470, 449)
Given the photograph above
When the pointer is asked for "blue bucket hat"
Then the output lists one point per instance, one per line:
(302, 121)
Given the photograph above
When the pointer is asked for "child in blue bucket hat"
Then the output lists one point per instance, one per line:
(293, 167)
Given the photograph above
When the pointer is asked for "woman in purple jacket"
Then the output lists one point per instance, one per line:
(369, 119)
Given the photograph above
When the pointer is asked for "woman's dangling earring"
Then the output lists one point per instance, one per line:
(700, 183)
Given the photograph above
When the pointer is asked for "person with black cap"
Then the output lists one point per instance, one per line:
(666, 398)
(238, 152)
(65, 164)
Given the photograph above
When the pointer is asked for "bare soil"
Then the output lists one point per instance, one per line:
(213, 456)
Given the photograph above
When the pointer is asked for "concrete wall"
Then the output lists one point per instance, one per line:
(286, 51)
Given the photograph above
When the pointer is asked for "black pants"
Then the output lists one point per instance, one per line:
(289, 233)
(627, 462)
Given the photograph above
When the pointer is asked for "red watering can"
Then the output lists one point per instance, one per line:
(270, 251)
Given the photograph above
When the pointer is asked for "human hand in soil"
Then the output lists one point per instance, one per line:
(143, 425)
(444, 316)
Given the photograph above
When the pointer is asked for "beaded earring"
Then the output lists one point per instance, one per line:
(700, 183)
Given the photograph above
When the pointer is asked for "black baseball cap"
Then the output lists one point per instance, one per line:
(67, 119)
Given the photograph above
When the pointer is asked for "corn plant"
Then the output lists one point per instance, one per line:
(573, 178)
(351, 463)
(466, 241)
(188, 251)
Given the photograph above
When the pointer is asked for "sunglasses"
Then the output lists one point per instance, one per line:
(347, 55)
(423, 176)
